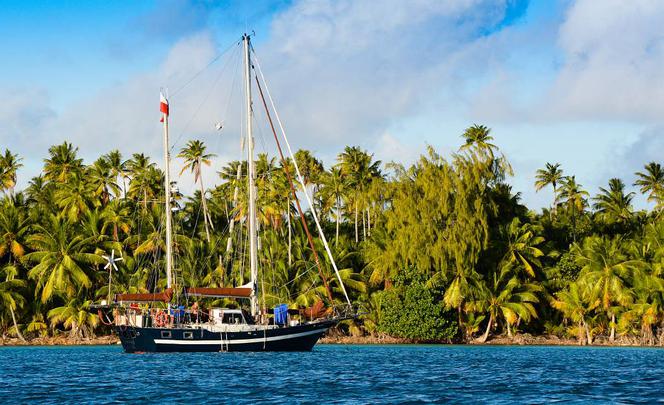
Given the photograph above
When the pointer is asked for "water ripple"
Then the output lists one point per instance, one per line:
(335, 374)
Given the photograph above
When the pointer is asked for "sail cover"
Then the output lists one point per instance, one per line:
(164, 296)
(240, 292)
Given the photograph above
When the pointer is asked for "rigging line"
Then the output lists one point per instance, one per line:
(216, 58)
(297, 201)
(198, 215)
(308, 269)
(234, 74)
(200, 105)
(299, 175)
(234, 84)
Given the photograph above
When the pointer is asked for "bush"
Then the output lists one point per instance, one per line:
(412, 311)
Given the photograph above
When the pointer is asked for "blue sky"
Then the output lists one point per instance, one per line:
(576, 82)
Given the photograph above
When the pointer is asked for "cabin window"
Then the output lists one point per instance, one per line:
(188, 335)
(166, 334)
(232, 318)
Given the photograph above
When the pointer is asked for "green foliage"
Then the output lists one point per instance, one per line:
(415, 311)
(566, 270)
(440, 249)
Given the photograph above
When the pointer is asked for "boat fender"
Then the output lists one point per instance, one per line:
(161, 319)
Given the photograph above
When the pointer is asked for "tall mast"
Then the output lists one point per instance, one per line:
(253, 240)
(167, 188)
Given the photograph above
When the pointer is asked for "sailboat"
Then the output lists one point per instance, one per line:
(155, 322)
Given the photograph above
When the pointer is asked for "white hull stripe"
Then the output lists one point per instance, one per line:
(234, 341)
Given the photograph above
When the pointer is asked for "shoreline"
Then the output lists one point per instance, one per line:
(519, 340)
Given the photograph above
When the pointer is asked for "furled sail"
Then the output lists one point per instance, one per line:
(239, 292)
(164, 296)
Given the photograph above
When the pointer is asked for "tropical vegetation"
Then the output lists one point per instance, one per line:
(442, 249)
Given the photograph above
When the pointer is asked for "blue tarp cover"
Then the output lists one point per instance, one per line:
(281, 314)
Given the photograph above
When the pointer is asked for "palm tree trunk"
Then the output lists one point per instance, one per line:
(18, 332)
(574, 224)
(364, 226)
(485, 336)
(368, 222)
(204, 203)
(612, 336)
(588, 335)
(553, 206)
(460, 323)
(509, 329)
(357, 236)
(336, 238)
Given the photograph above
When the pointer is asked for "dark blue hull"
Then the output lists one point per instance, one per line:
(285, 339)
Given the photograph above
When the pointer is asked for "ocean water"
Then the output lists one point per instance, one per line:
(335, 374)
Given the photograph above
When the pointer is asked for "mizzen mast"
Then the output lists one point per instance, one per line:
(163, 107)
(253, 239)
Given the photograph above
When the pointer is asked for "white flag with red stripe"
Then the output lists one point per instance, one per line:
(163, 106)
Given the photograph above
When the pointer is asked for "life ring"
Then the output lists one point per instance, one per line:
(161, 319)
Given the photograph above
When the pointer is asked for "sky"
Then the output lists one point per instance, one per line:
(580, 83)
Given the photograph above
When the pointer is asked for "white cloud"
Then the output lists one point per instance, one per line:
(126, 116)
(24, 114)
(356, 72)
(388, 148)
(613, 56)
(344, 71)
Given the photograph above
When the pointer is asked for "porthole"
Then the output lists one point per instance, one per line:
(166, 334)
(188, 335)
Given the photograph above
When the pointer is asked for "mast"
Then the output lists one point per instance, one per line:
(167, 188)
(253, 240)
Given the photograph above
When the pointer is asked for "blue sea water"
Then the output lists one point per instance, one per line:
(335, 374)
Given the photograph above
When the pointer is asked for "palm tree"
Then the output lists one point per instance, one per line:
(74, 198)
(507, 298)
(39, 192)
(651, 181)
(614, 204)
(9, 165)
(577, 305)
(606, 268)
(14, 229)
(334, 188)
(140, 169)
(552, 175)
(118, 168)
(11, 299)
(522, 248)
(194, 158)
(574, 197)
(62, 163)
(75, 316)
(116, 215)
(311, 170)
(60, 259)
(103, 180)
(478, 137)
(359, 170)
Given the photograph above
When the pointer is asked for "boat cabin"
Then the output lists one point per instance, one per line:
(226, 316)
